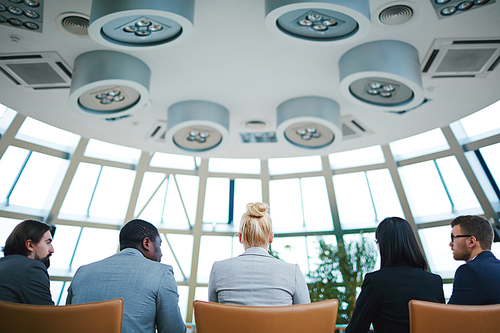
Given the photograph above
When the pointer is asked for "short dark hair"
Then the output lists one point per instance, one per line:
(477, 226)
(134, 232)
(397, 243)
(29, 229)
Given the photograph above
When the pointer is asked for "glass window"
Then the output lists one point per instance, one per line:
(188, 187)
(183, 292)
(173, 161)
(94, 245)
(280, 166)
(357, 157)
(417, 145)
(285, 204)
(370, 242)
(10, 165)
(234, 165)
(436, 243)
(6, 227)
(212, 249)
(292, 250)
(385, 197)
(216, 208)
(316, 205)
(354, 201)
(112, 152)
(57, 290)
(64, 242)
(491, 157)
(106, 189)
(6, 117)
(314, 250)
(481, 124)
(245, 191)
(180, 257)
(160, 202)
(46, 135)
(42, 174)
(425, 191)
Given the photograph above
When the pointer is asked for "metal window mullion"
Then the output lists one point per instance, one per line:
(7, 198)
(488, 173)
(182, 202)
(152, 196)
(76, 247)
(371, 196)
(164, 201)
(302, 203)
(93, 192)
(231, 201)
(453, 208)
(175, 258)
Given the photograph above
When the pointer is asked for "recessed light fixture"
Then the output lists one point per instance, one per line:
(309, 122)
(140, 24)
(197, 126)
(109, 84)
(383, 75)
(447, 8)
(21, 14)
(319, 21)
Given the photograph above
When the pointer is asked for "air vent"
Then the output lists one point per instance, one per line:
(44, 70)
(75, 24)
(396, 15)
(456, 58)
(352, 128)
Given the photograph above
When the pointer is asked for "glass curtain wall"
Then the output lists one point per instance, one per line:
(89, 189)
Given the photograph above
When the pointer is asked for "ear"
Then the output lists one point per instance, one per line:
(147, 244)
(472, 242)
(271, 237)
(30, 246)
(240, 237)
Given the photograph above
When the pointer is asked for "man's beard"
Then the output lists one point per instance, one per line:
(45, 260)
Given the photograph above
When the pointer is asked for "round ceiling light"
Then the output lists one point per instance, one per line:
(140, 24)
(309, 122)
(383, 75)
(109, 84)
(319, 21)
(197, 126)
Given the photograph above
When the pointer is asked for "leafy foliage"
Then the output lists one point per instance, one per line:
(340, 273)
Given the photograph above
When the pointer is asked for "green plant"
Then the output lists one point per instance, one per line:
(340, 273)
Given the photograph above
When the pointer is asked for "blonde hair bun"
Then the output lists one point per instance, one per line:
(257, 209)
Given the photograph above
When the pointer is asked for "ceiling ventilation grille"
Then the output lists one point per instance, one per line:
(352, 128)
(449, 58)
(396, 15)
(44, 70)
(75, 24)
(157, 131)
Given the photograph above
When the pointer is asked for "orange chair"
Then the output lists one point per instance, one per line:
(79, 318)
(428, 317)
(319, 317)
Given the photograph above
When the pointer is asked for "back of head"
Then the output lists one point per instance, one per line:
(29, 229)
(397, 243)
(477, 226)
(134, 232)
(256, 225)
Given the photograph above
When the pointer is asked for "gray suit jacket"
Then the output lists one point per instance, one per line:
(24, 280)
(256, 278)
(148, 290)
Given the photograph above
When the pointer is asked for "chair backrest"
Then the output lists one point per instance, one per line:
(428, 317)
(78, 318)
(319, 317)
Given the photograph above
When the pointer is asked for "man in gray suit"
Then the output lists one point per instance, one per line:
(147, 287)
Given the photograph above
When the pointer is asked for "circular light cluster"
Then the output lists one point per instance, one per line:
(108, 97)
(143, 28)
(31, 3)
(377, 88)
(462, 6)
(145, 24)
(198, 136)
(319, 21)
(308, 133)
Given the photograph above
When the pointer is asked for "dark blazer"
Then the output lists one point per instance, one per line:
(385, 294)
(24, 280)
(478, 281)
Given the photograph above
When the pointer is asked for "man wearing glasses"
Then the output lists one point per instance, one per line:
(477, 282)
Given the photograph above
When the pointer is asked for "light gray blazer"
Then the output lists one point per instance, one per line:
(258, 279)
(147, 287)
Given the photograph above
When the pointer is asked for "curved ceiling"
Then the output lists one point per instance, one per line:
(233, 60)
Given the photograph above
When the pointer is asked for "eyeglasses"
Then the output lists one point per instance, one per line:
(457, 236)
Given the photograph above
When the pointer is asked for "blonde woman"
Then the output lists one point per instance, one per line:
(255, 277)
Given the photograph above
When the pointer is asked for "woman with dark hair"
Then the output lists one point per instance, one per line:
(403, 276)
